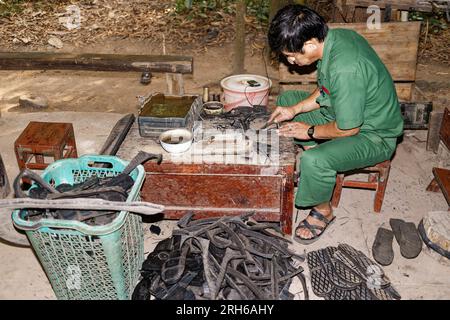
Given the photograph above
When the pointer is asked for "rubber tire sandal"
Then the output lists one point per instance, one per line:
(312, 228)
(407, 237)
(382, 247)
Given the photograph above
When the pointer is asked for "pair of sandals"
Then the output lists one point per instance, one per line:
(407, 237)
(313, 228)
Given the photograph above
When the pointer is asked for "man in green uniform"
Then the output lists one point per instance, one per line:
(352, 120)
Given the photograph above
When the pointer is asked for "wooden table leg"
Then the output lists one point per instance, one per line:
(287, 200)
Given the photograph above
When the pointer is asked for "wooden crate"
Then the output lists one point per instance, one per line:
(395, 43)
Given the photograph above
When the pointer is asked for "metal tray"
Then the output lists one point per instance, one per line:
(156, 114)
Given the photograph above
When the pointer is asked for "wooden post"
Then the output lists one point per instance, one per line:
(239, 42)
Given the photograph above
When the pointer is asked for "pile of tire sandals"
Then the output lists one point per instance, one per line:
(344, 273)
(227, 258)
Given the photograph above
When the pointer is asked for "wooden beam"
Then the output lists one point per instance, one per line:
(239, 41)
(95, 62)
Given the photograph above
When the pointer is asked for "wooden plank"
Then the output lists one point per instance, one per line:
(267, 191)
(175, 84)
(188, 190)
(95, 62)
(202, 213)
(433, 130)
(395, 4)
(404, 90)
(287, 199)
(396, 43)
(444, 132)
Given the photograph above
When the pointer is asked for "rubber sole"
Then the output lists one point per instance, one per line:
(382, 247)
(407, 237)
(344, 273)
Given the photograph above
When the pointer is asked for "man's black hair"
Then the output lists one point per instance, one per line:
(292, 26)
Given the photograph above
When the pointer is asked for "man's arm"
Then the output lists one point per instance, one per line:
(287, 113)
(329, 130)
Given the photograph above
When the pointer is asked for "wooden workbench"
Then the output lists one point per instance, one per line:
(212, 185)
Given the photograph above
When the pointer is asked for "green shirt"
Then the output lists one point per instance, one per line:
(356, 88)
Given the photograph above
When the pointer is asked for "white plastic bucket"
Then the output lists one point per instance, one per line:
(238, 92)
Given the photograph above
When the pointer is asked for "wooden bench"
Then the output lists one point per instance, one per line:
(441, 179)
(396, 43)
(175, 66)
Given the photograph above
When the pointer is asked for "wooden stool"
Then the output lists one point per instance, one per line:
(378, 178)
(44, 139)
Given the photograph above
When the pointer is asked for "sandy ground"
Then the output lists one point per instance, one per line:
(107, 96)
(426, 277)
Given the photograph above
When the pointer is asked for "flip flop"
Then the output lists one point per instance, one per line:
(312, 228)
(382, 247)
(407, 237)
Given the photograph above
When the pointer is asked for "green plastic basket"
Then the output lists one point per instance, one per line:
(86, 262)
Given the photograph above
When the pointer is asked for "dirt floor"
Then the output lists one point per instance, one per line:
(426, 277)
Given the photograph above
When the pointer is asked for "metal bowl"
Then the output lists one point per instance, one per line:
(213, 107)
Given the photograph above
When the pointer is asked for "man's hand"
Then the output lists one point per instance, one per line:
(282, 114)
(297, 130)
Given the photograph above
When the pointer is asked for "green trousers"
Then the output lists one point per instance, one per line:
(319, 165)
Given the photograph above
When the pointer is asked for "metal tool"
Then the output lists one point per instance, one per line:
(268, 126)
(117, 135)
